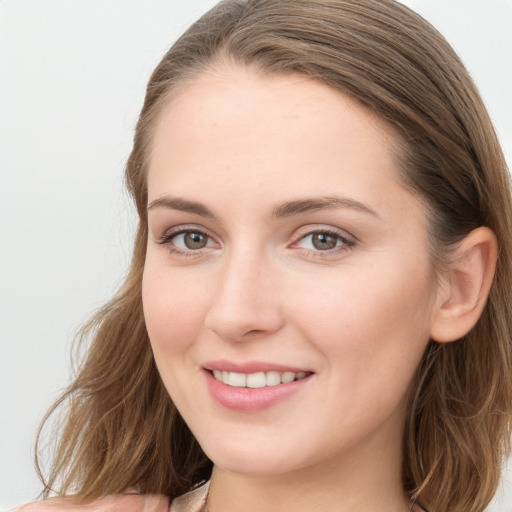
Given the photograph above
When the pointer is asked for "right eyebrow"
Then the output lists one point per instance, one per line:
(301, 206)
(183, 205)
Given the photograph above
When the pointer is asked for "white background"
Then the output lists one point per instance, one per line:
(72, 78)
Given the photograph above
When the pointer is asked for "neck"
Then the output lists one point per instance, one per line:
(370, 483)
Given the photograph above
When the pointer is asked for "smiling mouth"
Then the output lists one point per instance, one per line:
(258, 379)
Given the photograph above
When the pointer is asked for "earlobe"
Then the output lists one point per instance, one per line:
(466, 285)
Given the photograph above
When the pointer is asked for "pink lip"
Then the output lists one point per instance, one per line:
(251, 367)
(252, 399)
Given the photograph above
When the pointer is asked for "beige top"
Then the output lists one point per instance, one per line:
(193, 501)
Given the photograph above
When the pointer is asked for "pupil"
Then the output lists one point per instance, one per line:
(324, 241)
(195, 240)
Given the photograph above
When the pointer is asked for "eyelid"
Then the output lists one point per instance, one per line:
(323, 228)
(349, 240)
(169, 234)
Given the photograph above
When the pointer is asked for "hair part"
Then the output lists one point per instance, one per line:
(122, 429)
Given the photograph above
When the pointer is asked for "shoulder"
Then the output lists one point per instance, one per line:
(117, 503)
(193, 501)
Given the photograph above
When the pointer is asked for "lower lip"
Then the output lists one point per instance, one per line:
(252, 399)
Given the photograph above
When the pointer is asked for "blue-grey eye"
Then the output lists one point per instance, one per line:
(191, 240)
(324, 241)
(321, 241)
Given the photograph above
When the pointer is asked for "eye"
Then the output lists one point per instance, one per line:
(186, 241)
(190, 240)
(325, 241)
(322, 241)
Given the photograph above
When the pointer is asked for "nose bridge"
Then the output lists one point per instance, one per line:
(245, 300)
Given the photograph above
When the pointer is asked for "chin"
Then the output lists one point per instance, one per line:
(251, 460)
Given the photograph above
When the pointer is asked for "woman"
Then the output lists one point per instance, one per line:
(320, 279)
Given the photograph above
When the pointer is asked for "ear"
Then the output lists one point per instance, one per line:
(465, 286)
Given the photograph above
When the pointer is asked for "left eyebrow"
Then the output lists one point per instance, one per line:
(184, 205)
(320, 203)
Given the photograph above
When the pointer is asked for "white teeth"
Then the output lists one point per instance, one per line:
(287, 377)
(273, 378)
(238, 380)
(257, 380)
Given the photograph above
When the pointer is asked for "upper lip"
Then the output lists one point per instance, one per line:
(252, 367)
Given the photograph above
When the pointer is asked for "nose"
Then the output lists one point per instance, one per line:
(245, 304)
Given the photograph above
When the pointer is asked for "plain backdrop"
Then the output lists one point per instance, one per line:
(72, 79)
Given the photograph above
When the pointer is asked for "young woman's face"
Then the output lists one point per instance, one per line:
(287, 291)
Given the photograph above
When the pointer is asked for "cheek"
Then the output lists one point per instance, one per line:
(379, 316)
(372, 331)
(174, 310)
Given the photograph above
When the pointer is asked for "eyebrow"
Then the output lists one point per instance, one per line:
(320, 203)
(183, 205)
(288, 209)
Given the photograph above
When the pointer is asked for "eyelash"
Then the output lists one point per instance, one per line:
(347, 243)
(166, 239)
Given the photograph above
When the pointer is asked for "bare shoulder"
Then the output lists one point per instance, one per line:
(117, 503)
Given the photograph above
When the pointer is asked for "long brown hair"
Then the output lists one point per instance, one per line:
(121, 428)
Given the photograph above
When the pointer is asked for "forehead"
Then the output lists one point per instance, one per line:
(247, 131)
(283, 103)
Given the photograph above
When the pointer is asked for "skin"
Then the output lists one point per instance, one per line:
(241, 145)
(118, 503)
(253, 167)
